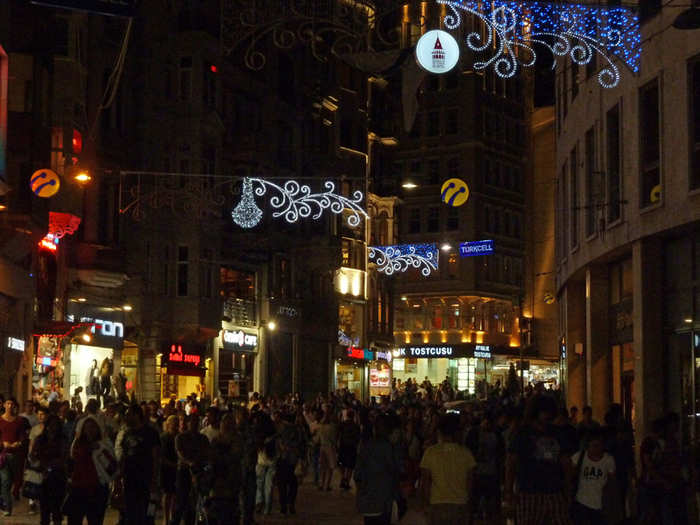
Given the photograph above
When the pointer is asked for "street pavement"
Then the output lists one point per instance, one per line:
(313, 507)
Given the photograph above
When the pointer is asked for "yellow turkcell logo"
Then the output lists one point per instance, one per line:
(455, 192)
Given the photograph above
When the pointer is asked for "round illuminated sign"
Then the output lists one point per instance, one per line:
(45, 183)
(454, 192)
(437, 51)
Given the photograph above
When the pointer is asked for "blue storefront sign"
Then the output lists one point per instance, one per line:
(471, 249)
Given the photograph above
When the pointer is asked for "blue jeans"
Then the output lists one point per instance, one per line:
(6, 479)
(265, 475)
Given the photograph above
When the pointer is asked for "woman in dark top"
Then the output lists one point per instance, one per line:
(168, 466)
(48, 450)
(88, 496)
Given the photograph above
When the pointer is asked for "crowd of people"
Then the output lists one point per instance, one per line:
(451, 461)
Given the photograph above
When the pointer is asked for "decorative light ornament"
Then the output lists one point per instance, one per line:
(247, 214)
(403, 257)
(578, 30)
(295, 201)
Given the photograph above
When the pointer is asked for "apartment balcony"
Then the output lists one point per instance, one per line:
(240, 312)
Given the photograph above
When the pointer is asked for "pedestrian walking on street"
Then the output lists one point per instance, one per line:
(446, 476)
(348, 440)
(48, 451)
(137, 450)
(377, 475)
(94, 464)
(594, 469)
(327, 435)
(192, 452)
(537, 463)
(12, 434)
(168, 467)
(223, 507)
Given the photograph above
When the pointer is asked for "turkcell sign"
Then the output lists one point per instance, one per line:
(472, 249)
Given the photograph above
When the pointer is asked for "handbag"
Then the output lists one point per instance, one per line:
(69, 503)
(33, 479)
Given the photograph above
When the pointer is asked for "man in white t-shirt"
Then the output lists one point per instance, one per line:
(594, 470)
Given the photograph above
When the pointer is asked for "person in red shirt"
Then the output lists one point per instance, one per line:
(88, 495)
(12, 435)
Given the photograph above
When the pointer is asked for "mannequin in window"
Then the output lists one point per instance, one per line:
(105, 385)
(92, 381)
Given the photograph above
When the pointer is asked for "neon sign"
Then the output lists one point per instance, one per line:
(178, 356)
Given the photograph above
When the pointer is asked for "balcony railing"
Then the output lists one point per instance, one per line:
(241, 312)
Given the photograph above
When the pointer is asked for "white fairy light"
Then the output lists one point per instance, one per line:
(294, 201)
(579, 31)
(247, 214)
(403, 257)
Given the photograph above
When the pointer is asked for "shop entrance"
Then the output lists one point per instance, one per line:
(91, 368)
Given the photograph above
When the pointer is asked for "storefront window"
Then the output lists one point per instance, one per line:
(350, 375)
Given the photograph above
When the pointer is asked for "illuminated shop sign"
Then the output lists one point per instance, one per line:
(424, 351)
(15, 344)
(472, 249)
(482, 351)
(386, 356)
(240, 339)
(177, 355)
(360, 353)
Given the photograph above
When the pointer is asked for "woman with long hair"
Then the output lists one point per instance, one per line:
(94, 465)
(48, 451)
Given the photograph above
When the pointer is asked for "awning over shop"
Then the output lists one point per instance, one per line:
(184, 371)
(60, 328)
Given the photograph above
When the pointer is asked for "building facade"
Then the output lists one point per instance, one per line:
(627, 229)
(472, 126)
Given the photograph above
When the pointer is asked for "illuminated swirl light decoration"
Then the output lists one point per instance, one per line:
(295, 201)
(579, 31)
(403, 257)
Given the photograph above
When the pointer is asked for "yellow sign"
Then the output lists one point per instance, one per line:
(45, 183)
(454, 192)
(655, 195)
(549, 298)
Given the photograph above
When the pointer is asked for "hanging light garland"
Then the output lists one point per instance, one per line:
(247, 214)
(403, 257)
(295, 201)
(579, 31)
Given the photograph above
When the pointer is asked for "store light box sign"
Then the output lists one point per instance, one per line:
(424, 351)
(14, 343)
(475, 248)
(176, 355)
(443, 351)
(482, 351)
(240, 339)
(360, 353)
